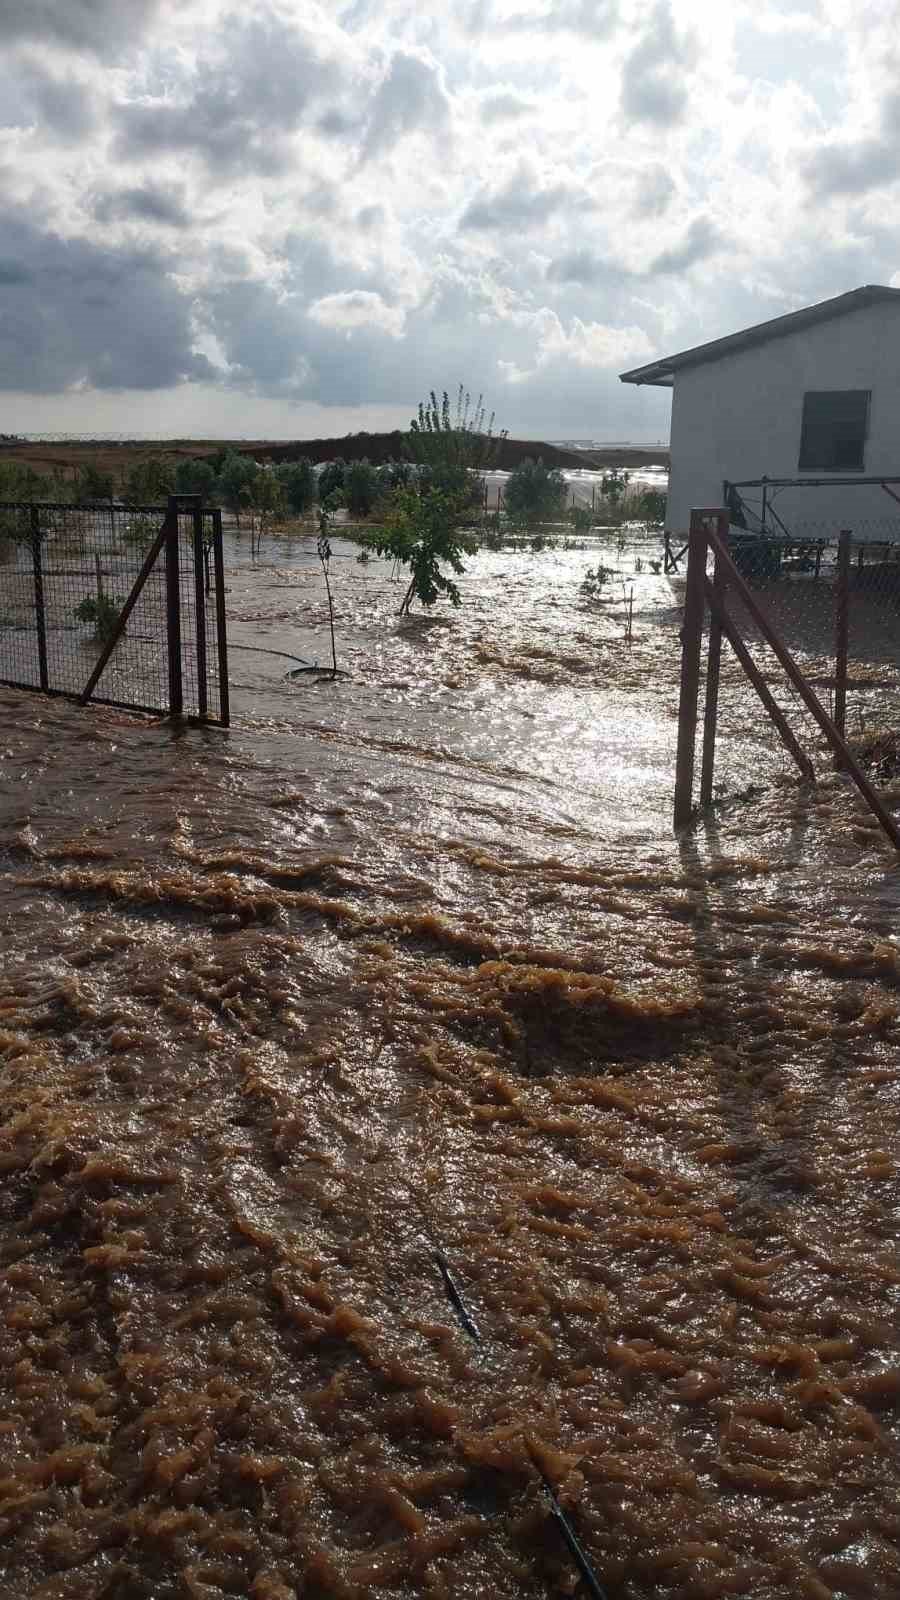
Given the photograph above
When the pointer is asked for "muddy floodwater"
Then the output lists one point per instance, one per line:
(409, 968)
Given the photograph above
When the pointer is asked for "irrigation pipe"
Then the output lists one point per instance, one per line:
(573, 1544)
(455, 1296)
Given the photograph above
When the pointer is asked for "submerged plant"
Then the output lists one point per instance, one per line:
(323, 550)
(594, 581)
(420, 532)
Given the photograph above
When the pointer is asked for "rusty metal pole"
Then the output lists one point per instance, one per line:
(691, 643)
(40, 609)
(713, 665)
(841, 634)
(221, 621)
(173, 608)
(197, 529)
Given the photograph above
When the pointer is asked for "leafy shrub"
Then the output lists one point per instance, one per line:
(195, 477)
(535, 492)
(298, 480)
(93, 484)
(395, 474)
(332, 477)
(236, 479)
(141, 531)
(361, 488)
(582, 519)
(594, 581)
(103, 611)
(150, 482)
(651, 507)
(613, 486)
(420, 532)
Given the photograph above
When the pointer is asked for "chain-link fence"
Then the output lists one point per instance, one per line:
(780, 604)
(121, 604)
(830, 609)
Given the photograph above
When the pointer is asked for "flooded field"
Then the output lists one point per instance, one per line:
(408, 967)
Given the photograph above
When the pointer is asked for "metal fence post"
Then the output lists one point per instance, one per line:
(841, 634)
(173, 609)
(691, 638)
(713, 665)
(40, 610)
(200, 611)
(221, 623)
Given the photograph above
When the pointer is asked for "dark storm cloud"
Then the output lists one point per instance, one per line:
(238, 108)
(98, 26)
(147, 203)
(410, 99)
(518, 204)
(701, 241)
(73, 313)
(655, 75)
(60, 108)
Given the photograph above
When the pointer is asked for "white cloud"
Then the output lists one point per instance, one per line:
(342, 206)
(358, 308)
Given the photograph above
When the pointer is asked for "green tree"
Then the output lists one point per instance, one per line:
(361, 488)
(423, 526)
(332, 478)
(420, 532)
(651, 507)
(453, 445)
(535, 492)
(267, 499)
(613, 486)
(93, 484)
(195, 476)
(150, 482)
(298, 480)
(236, 479)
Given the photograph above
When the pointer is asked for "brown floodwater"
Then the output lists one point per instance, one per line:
(410, 965)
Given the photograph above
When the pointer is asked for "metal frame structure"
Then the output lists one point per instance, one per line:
(730, 489)
(709, 535)
(206, 532)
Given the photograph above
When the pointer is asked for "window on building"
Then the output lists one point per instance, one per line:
(835, 423)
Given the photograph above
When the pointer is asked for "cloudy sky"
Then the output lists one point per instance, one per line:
(283, 218)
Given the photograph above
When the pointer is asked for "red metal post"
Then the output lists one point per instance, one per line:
(841, 633)
(691, 643)
(713, 665)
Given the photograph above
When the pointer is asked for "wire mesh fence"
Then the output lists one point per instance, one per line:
(66, 574)
(804, 590)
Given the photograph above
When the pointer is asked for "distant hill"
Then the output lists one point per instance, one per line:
(381, 447)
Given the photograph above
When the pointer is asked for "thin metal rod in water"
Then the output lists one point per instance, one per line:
(455, 1297)
(588, 1575)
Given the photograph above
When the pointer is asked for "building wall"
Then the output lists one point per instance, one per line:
(740, 417)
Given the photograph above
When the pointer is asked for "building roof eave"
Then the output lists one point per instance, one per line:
(663, 373)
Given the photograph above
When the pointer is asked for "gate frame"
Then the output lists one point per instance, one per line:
(709, 532)
(166, 542)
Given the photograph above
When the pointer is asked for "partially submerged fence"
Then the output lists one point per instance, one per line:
(751, 602)
(120, 604)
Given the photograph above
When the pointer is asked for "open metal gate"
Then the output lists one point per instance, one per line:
(120, 604)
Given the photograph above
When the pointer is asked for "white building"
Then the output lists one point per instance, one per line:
(814, 395)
